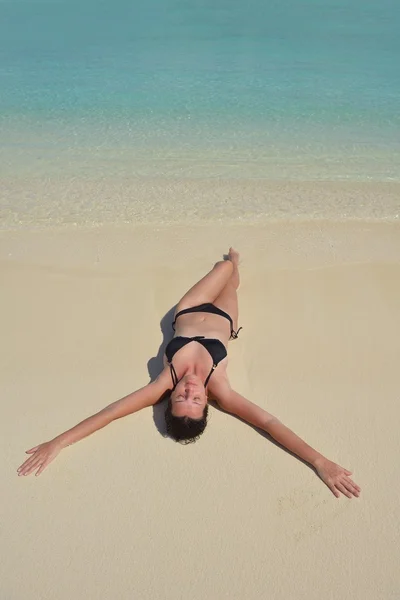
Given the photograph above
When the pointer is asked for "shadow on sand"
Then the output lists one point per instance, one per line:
(155, 365)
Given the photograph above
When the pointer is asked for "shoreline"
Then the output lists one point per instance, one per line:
(88, 202)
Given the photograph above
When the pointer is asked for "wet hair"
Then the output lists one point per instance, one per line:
(184, 430)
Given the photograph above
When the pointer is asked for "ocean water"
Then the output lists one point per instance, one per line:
(113, 95)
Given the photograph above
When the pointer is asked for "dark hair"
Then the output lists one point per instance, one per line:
(184, 429)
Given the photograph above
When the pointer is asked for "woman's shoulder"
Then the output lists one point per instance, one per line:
(163, 380)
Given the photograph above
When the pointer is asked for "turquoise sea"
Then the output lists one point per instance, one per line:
(272, 90)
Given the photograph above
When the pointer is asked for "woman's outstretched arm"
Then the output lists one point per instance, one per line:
(45, 453)
(335, 477)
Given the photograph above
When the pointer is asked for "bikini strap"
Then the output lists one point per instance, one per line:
(175, 379)
(174, 376)
(235, 334)
(209, 375)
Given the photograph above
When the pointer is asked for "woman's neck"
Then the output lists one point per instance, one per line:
(195, 369)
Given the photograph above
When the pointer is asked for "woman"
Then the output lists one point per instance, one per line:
(195, 364)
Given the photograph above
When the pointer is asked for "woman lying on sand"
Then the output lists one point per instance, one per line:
(195, 364)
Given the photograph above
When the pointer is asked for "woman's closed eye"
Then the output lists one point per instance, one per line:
(196, 400)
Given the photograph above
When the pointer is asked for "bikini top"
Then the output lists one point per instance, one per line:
(214, 347)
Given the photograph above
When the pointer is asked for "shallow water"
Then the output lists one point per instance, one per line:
(116, 90)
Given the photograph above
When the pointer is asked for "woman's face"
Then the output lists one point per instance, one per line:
(189, 398)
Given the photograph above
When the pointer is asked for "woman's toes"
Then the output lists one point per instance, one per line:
(233, 255)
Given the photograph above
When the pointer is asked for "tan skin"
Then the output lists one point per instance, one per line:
(192, 364)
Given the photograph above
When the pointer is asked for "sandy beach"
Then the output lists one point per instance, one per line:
(85, 315)
(138, 142)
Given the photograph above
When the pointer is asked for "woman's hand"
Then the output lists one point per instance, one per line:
(42, 456)
(336, 478)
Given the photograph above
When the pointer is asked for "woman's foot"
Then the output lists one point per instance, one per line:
(234, 256)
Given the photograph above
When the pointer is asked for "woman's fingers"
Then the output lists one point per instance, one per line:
(338, 480)
(31, 467)
(355, 485)
(348, 472)
(348, 484)
(34, 465)
(28, 460)
(26, 464)
(42, 467)
(333, 490)
(342, 488)
(40, 458)
(345, 486)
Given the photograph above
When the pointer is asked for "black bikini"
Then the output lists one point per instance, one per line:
(214, 347)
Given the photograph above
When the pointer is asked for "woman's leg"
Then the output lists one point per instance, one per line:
(209, 287)
(227, 299)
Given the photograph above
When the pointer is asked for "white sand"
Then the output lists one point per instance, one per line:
(129, 514)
